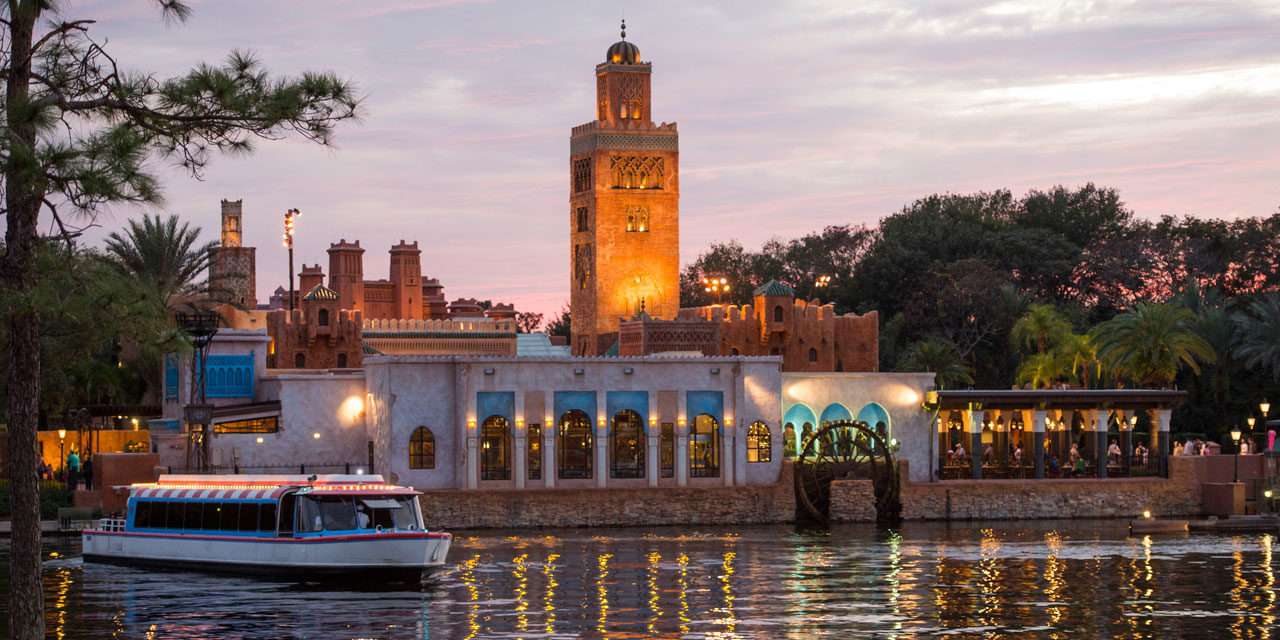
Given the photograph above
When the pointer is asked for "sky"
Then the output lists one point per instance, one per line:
(793, 115)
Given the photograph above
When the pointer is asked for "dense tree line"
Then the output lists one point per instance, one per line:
(954, 276)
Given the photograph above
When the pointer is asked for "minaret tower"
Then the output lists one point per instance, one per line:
(624, 206)
(232, 266)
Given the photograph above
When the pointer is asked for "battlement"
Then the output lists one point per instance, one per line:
(637, 126)
(342, 244)
(469, 325)
(406, 247)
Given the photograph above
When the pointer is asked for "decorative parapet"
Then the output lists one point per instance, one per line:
(469, 325)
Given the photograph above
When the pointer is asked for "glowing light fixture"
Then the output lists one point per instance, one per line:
(316, 435)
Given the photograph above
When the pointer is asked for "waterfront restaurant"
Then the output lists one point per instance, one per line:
(1095, 433)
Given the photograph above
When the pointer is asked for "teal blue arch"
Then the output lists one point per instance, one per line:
(873, 413)
(835, 411)
(799, 414)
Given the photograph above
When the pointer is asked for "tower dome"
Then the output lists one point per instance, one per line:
(623, 52)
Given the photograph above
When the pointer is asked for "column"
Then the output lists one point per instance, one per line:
(682, 441)
(976, 418)
(653, 437)
(602, 441)
(549, 429)
(1100, 441)
(1038, 418)
(1126, 446)
(1164, 419)
(522, 451)
(728, 453)
(473, 457)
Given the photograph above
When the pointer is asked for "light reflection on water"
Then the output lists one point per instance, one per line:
(1054, 580)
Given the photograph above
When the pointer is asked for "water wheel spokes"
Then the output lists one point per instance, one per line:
(845, 450)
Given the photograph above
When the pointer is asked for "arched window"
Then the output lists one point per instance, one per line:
(495, 449)
(759, 443)
(342, 361)
(777, 313)
(300, 361)
(573, 445)
(789, 441)
(626, 445)
(704, 447)
(813, 355)
(422, 449)
(734, 352)
(324, 317)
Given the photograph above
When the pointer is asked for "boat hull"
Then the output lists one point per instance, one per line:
(403, 554)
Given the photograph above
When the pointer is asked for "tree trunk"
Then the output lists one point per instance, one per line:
(23, 196)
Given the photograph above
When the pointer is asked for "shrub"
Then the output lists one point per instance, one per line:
(52, 496)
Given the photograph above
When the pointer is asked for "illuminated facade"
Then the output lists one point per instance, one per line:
(624, 207)
(232, 266)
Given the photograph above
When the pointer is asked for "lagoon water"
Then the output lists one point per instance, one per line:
(1081, 579)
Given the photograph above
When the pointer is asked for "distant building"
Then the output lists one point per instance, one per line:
(232, 267)
(318, 335)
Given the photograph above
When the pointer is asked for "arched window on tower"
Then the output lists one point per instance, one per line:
(777, 313)
(300, 361)
(324, 317)
(342, 361)
(759, 443)
(813, 355)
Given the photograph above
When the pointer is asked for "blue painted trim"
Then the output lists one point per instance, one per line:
(637, 401)
(229, 376)
(496, 403)
(708, 402)
(799, 414)
(584, 401)
(171, 379)
(834, 411)
(873, 413)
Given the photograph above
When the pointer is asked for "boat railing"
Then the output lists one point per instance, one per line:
(111, 524)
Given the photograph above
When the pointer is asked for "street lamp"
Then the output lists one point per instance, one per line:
(1235, 437)
(62, 441)
(289, 217)
(823, 282)
(718, 285)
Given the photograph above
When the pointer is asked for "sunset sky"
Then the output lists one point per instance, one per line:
(793, 115)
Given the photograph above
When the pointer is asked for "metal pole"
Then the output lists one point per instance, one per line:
(291, 303)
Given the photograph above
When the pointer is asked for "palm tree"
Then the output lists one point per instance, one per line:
(1151, 342)
(1079, 356)
(1041, 370)
(162, 256)
(1040, 328)
(1258, 334)
(940, 357)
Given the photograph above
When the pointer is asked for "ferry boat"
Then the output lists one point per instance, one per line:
(310, 525)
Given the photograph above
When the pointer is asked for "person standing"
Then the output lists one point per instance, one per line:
(73, 470)
(86, 470)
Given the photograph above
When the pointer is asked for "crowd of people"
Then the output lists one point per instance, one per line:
(75, 471)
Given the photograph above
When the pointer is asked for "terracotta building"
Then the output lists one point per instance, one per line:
(319, 335)
(624, 206)
(808, 336)
(232, 268)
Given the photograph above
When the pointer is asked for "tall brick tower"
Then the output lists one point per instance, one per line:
(624, 206)
(406, 280)
(232, 267)
(346, 274)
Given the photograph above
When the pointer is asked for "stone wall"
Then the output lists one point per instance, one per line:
(1180, 494)
(611, 507)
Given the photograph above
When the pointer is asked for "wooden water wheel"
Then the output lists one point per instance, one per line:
(845, 450)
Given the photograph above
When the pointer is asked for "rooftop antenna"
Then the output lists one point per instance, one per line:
(624, 28)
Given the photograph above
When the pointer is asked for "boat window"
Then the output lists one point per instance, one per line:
(309, 515)
(191, 515)
(287, 509)
(267, 517)
(338, 512)
(208, 514)
(389, 512)
(229, 515)
(172, 515)
(404, 517)
(249, 517)
(142, 515)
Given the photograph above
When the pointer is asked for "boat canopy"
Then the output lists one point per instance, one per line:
(262, 487)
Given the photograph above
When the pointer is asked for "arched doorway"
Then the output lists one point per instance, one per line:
(626, 445)
(704, 447)
(573, 446)
(495, 449)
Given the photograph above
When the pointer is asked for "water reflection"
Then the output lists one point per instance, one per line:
(999, 580)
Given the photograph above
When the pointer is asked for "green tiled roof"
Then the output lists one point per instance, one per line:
(321, 292)
(774, 288)
(369, 351)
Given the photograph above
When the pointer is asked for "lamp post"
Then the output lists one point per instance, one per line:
(1235, 437)
(62, 442)
(289, 217)
(718, 285)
